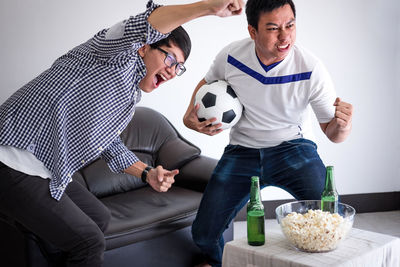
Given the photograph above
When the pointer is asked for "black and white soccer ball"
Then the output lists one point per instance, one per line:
(218, 99)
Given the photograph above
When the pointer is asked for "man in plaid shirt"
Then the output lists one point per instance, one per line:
(74, 112)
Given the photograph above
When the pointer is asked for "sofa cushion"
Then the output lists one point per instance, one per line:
(176, 153)
(144, 213)
(151, 133)
(102, 182)
(154, 141)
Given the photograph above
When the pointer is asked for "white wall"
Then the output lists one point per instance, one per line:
(397, 94)
(359, 42)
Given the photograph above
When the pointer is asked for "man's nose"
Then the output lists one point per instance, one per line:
(283, 34)
(171, 71)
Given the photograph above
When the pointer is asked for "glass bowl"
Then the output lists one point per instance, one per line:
(309, 229)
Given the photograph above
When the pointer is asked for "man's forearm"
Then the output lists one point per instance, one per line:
(136, 169)
(336, 133)
(167, 18)
(340, 126)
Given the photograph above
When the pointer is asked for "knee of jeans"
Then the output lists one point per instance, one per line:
(104, 220)
(92, 241)
(89, 249)
(98, 243)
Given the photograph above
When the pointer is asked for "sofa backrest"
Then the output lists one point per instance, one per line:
(154, 140)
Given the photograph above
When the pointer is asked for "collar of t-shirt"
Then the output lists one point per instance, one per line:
(269, 67)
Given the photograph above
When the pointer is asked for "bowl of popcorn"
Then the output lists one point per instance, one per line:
(310, 229)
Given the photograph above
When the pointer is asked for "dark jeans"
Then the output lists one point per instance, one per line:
(74, 225)
(294, 166)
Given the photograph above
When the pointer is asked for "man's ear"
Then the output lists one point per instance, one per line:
(143, 50)
(252, 31)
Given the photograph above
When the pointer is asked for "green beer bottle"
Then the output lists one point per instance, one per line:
(329, 198)
(255, 215)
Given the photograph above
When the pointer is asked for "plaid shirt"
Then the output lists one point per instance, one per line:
(75, 111)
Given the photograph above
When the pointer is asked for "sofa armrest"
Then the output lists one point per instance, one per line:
(175, 153)
(195, 174)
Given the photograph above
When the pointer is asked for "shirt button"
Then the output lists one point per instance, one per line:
(118, 132)
(100, 148)
(83, 162)
(62, 187)
(31, 148)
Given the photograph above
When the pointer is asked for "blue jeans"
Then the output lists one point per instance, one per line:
(294, 166)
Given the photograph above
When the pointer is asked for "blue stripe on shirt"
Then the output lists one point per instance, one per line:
(269, 80)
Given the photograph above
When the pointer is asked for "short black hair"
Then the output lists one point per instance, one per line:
(255, 7)
(178, 37)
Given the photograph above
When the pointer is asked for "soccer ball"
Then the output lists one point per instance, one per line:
(217, 99)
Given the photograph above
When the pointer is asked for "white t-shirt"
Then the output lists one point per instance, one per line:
(276, 102)
(23, 161)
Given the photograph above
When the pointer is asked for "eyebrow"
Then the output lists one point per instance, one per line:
(171, 53)
(176, 58)
(274, 24)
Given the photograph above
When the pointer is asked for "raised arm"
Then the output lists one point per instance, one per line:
(339, 128)
(167, 18)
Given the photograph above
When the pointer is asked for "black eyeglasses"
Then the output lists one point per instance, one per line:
(171, 61)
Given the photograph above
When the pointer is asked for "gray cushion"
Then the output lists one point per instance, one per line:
(154, 141)
(143, 213)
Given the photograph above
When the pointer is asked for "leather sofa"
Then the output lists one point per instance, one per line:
(147, 228)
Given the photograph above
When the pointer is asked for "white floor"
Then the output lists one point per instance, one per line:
(381, 222)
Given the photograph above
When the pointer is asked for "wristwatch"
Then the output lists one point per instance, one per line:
(145, 172)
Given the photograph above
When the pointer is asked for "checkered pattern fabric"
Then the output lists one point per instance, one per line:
(74, 112)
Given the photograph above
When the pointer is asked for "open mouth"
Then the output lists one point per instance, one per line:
(159, 79)
(283, 48)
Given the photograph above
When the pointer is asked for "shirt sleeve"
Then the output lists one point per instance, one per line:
(218, 67)
(128, 35)
(118, 156)
(323, 94)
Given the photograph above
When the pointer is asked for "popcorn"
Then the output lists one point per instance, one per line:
(316, 230)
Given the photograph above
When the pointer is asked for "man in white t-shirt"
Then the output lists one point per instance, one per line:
(277, 82)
